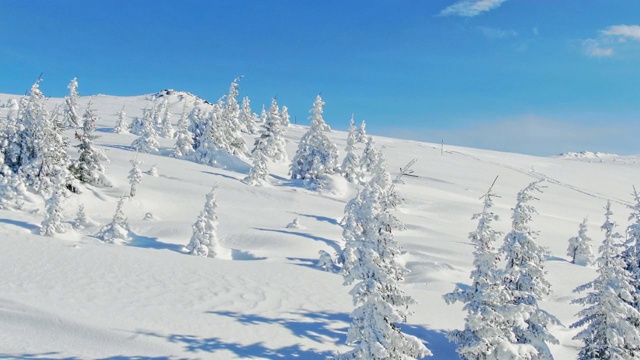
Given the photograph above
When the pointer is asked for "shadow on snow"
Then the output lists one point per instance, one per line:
(151, 243)
(25, 225)
(332, 243)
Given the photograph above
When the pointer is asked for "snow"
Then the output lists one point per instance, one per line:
(73, 296)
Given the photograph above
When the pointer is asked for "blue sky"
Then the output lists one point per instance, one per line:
(531, 76)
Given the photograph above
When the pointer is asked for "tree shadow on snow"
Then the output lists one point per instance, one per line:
(25, 225)
(435, 340)
(315, 326)
(151, 243)
(244, 255)
(47, 355)
(223, 175)
(320, 218)
(195, 344)
(332, 243)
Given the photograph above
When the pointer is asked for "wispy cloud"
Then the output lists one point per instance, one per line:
(594, 48)
(623, 32)
(610, 40)
(470, 8)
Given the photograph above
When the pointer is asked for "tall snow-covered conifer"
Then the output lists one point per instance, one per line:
(88, 167)
(370, 260)
(524, 276)
(184, 138)
(369, 155)
(135, 176)
(259, 168)
(316, 154)
(611, 320)
(230, 121)
(121, 126)
(204, 238)
(351, 164)
(166, 129)
(71, 117)
(272, 134)
(147, 142)
(487, 333)
(52, 222)
(247, 118)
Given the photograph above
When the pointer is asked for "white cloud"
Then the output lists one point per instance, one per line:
(594, 48)
(623, 31)
(470, 8)
(611, 39)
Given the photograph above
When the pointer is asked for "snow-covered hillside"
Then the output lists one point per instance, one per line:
(72, 296)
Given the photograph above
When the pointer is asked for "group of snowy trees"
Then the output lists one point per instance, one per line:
(34, 155)
(611, 316)
(504, 320)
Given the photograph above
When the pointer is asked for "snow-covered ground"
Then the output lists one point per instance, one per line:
(72, 296)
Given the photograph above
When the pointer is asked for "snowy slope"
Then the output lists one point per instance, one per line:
(72, 296)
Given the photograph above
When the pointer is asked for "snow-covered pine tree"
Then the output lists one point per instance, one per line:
(524, 276)
(137, 123)
(147, 142)
(135, 176)
(184, 138)
(580, 246)
(212, 141)
(230, 125)
(196, 119)
(10, 137)
(273, 134)
(52, 222)
(40, 151)
(157, 110)
(204, 238)
(121, 126)
(81, 219)
(369, 155)
(166, 129)
(631, 254)
(88, 167)
(370, 260)
(50, 169)
(316, 154)
(351, 164)
(487, 333)
(247, 118)
(285, 119)
(71, 119)
(611, 320)
(117, 229)
(259, 169)
(362, 132)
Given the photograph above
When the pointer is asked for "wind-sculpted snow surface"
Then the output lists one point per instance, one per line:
(73, 296)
